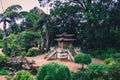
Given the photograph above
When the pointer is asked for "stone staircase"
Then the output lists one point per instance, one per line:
(59, 53)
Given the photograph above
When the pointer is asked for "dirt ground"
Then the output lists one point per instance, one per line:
(2, 78)
(39, 60)
(1, 51)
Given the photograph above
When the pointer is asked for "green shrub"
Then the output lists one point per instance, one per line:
(97, 53)
(3, 59)
(23, 54)
(103, 54)
(111, 50)
(53, 71)
(82, 75)
(32, 52)
(82, 59)
(97, 70)
(71, 47)
(114, 71)
(114, 68)
(116, 56)
(110, 61)
(23, 75)
(108, 52)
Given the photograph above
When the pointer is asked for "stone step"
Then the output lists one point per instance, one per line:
(60, 55)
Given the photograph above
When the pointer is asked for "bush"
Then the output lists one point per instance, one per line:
(116, 56)
(23, 75)
(23, 54)
(114, 71)
(82, 59)
(53, 71)
(3, 59)
(97, 70)
(114, 68)
(103, 54)
(32, 52)
(82, 75)
(97, 53)
(110, 61)
(71, 47)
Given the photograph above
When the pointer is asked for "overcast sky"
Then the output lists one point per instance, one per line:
(26, 5)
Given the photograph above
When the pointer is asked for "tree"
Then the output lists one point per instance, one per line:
(53, 71)
(45, 21)
(82, 59)
(114, 18)
(38, 21)
(88, 19)
(9, 15)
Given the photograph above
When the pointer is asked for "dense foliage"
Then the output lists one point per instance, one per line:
(23, 75)
(53, 71)
(97, 71)
(28, 39)
(114, 71)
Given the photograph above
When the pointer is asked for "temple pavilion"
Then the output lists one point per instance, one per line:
(62, 52)
(64, 40)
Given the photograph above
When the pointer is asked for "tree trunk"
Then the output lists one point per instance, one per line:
(47, 39)
(4, 30)
(42, 40)
(82, 66)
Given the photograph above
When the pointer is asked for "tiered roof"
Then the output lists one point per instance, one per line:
(64, 37)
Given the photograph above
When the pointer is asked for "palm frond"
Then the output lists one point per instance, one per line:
(14, 8)
(13, 15)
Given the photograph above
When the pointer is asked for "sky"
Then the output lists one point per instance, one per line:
(26, 5)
